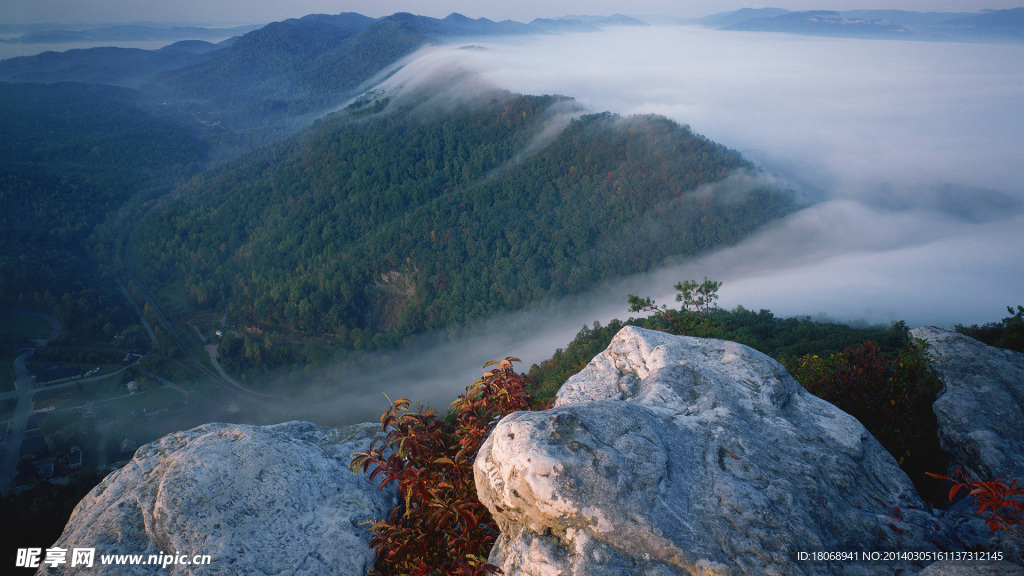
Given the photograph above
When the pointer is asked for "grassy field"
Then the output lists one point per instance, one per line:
(21, 326)
(172, 298)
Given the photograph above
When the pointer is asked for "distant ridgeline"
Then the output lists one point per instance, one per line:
(268, 80)
(984, 26)
(373, 228)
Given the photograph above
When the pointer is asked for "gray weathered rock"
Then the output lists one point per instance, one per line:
(259, 500)
(675, 455)
(980, 410)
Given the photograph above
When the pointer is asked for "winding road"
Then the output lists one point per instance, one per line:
(23, 389)
(10, 449)
(225, 381)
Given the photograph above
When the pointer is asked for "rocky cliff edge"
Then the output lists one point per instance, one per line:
(666, 455)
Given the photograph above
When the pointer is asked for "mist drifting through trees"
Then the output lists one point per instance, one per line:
(913, 149)
(909, 151)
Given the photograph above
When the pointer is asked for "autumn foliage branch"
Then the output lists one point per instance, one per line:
(1001, 505)
(439, 526)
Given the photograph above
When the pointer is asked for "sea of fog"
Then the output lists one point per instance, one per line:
(910, 153)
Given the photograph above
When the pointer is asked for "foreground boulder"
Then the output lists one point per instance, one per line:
(258, 499)
(979, 413)
(980, 409)
(676, 455)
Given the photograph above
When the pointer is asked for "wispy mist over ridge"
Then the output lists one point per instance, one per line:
(910, 155)
(912, 151)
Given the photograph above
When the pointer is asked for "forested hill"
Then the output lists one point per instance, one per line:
(371, 229)
(70, 155)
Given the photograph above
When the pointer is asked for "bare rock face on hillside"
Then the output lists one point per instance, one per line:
(676, 455)
(258, 499)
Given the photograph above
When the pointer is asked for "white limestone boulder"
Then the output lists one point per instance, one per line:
(980, 417)
(259, 500)
(676, 455)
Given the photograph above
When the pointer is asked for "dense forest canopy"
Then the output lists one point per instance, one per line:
(70, 154)
(384, 221)
(374, 228)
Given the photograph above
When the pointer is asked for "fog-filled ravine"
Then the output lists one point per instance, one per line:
(911, 151)
(913, 148)
(907, 154)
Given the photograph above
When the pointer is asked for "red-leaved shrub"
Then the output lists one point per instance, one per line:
(1001, 505)
(439, 526)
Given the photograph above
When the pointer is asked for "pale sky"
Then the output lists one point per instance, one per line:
(257, 11)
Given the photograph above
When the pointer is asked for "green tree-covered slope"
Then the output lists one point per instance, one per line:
(70, 154)
(372, 229)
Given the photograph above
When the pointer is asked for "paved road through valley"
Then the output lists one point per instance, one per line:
(23, 388)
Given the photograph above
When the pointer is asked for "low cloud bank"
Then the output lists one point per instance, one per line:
(910, 151)
(909, 154)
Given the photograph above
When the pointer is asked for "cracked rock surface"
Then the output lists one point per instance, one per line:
(677, 455)
(980, 409)
(979, 413)
(258, 499)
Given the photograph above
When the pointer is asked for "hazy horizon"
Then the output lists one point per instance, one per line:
(240, 12)
(20, 16)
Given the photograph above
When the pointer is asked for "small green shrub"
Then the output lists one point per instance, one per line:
(887, 395)
(1006, 333)
(694, 318)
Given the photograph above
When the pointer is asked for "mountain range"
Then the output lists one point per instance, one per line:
(124, 32)
(267, 78)
(403, 211)
(984, 26)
